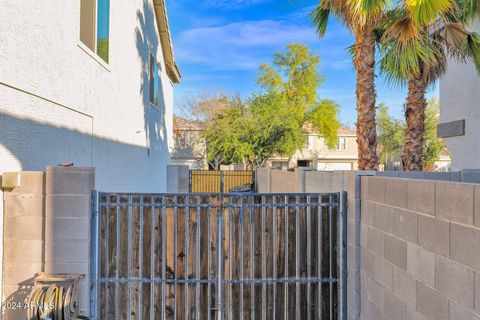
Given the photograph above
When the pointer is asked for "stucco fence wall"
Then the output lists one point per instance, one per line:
(46, 229)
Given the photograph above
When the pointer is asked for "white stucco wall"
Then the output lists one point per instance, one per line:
(460, 99)
(60, 103)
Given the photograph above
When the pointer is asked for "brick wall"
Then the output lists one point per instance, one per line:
(420, 249)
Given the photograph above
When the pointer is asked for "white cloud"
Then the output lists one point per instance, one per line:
(232, 3)
(343, 64)
(239, 45)
(340, 95)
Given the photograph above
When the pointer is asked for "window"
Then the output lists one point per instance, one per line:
(95, 26)
(154, 81)
(183, 139)
(279, 165)
(310, 145)
(304, 163)
(342, 144)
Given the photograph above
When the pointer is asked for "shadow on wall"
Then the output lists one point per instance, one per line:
(33, 145)
(12, 309)
(147, 42)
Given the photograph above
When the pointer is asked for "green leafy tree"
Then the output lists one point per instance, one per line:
(272, 122)
(225, 134)
(291, 82)
(391, 135)
(432, 145)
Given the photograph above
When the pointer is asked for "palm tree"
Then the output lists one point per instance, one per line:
(362, 18)
(417, 57)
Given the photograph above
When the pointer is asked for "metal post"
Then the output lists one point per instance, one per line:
(140, 261)
(117, 260)
(219, 265)
(129, 252)
(309, 258)
(152, 259)
(190, 180)
(222, 182)
(330, 252)
(107, 258)
(344, 282)
(95, 254)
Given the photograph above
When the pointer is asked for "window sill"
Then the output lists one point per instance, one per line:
(94, 56)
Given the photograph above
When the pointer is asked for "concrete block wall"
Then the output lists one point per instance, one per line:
(46, 229)
(178, 178)
(67, 224)
(22, 240)
(420, 249)
(324, 181)
(279, 181)
(262, 180)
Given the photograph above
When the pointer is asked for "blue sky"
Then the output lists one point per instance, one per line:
(220, 43)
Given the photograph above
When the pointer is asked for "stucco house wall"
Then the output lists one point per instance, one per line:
(59, 102)
(320, 157)
(460, 100)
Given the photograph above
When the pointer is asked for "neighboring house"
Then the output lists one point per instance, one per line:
(459, 112)
(88, 82)
(442, 164)
(189, 145)
(317, 155)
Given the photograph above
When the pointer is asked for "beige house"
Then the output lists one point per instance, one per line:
(442, 164)
(317, 155)
(189, 146)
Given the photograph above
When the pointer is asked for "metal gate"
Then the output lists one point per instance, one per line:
(219, 181)
(218, 256)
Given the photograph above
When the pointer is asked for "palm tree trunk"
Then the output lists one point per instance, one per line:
(415, 118)
(364, 62)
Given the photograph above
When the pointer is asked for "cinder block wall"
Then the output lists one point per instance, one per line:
(67, 224)
(286, 181)
(262, 180)
(46, 229)
(22, 240)
(420, 249)
(178, 178)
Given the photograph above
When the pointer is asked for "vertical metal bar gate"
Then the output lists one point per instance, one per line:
(218, 256)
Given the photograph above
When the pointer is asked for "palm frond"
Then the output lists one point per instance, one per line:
(471, 8)
(319, 18)
(418, 57)
(470, 49)
(454, 35)
(367, 7)
(425, 12)
(403, 31)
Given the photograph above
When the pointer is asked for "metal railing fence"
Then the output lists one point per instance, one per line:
(218, 256)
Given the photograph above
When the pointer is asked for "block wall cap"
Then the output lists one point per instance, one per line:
(69, 169)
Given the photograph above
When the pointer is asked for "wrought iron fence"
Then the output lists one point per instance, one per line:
(210, 181)
(185, 256)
